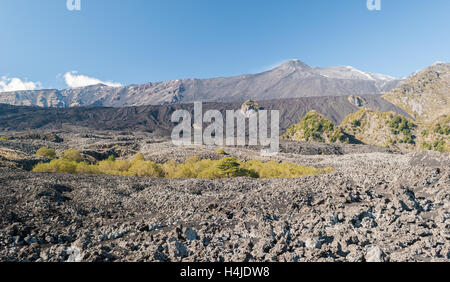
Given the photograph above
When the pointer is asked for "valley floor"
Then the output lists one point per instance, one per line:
(375, 206)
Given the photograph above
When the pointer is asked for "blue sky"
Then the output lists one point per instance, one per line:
(137, 41)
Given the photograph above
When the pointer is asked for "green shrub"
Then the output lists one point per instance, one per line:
(426, 146)
(401, 124)
(46, 153)
(442, 129)
(356, 123)
(439, 145)
(73, 155)
(229, 167)
(221, 151)
(315, 127)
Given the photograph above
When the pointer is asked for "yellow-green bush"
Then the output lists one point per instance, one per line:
(59, 165)
(113, 167)
(194, 167)
(138, 157)
(85, 168)
(274, 169)
(46, 153)
(146, 168)
(221, 152)
(73, 155)
(4, 138)
(170, 168)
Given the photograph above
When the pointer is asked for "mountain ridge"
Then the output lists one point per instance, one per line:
(425, 94)
(292, 79)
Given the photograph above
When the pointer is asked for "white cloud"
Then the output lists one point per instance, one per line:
(73, 80)
(17, 84)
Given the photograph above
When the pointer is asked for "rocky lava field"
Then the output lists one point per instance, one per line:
(376, 205)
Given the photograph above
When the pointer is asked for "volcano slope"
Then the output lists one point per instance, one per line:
(376, 205)
(157, 119)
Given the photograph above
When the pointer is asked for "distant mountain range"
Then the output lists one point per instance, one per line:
(413, 116)
(292, 79)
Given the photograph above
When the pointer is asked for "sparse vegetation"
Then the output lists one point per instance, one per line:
(315, 127)
(426, 146)
(73, 155)
(439, 145)
(193, 167)
(423, 95)
(221, 152)
(46, 153)
(387, 129)
(442, 129)
(400, 124)
(274, 169)
(146, 169)
(57, 165)
(356, 123)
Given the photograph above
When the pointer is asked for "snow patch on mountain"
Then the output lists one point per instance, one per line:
(349, 72)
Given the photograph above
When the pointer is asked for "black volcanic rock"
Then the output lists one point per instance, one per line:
(157, 118)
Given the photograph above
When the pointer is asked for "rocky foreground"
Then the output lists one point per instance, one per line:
(375, 206)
